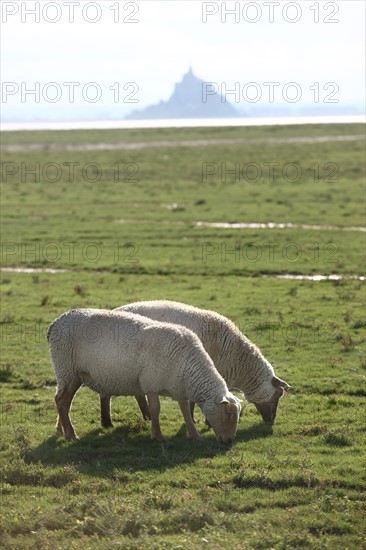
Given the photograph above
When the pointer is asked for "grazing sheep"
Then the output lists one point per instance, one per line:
(120, 353)
(237, 359)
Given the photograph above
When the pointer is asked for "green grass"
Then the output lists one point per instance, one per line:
(300, 483)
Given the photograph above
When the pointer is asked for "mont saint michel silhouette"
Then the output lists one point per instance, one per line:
(187, 102)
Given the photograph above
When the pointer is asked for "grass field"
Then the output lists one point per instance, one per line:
(122, 225)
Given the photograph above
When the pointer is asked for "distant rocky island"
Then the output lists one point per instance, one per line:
(187, 102)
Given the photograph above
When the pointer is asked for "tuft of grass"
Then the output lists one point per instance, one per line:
(162, 502)
(79, 290)
(337, 438)
(44, 300)
(134, 526)
(7, 317)
(347, 342)
(360, 323)
(314, 430)
(27, 384)
(192, 520)
(6, 372)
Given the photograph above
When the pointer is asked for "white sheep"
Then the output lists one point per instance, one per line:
(236, 358)
(120, 353)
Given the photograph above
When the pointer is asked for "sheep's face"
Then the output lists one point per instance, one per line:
(268, 409)
(223, 417)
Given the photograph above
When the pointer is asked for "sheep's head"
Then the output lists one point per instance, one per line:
(223, 416)
(268, 409)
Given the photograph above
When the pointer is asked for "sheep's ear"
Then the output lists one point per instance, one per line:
(237, 400)
(234, 392)
(278, 383)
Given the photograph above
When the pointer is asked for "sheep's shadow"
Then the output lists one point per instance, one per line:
(101, 451)
(256, 431)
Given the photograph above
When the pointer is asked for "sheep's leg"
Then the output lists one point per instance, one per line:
(63, 402)
(105, 411)
(185, 408)
(191, 408)
(154, 406)
(144, 406)
(59, 425)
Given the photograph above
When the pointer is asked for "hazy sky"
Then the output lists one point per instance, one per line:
(169, 36)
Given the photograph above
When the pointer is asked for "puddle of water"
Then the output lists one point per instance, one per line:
(273, 225)
(286, 276)
(33, 270)
(333, 277)
(183, 123)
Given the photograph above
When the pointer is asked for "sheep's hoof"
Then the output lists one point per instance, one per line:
(71, 437)
(107, 425)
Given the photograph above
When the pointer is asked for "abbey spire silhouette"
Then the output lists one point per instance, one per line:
(188, 101)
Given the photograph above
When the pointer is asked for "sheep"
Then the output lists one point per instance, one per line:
(120, 353)
(236, 358)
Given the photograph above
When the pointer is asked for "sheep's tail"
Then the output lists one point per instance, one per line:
(50, 328)
(58, 320)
